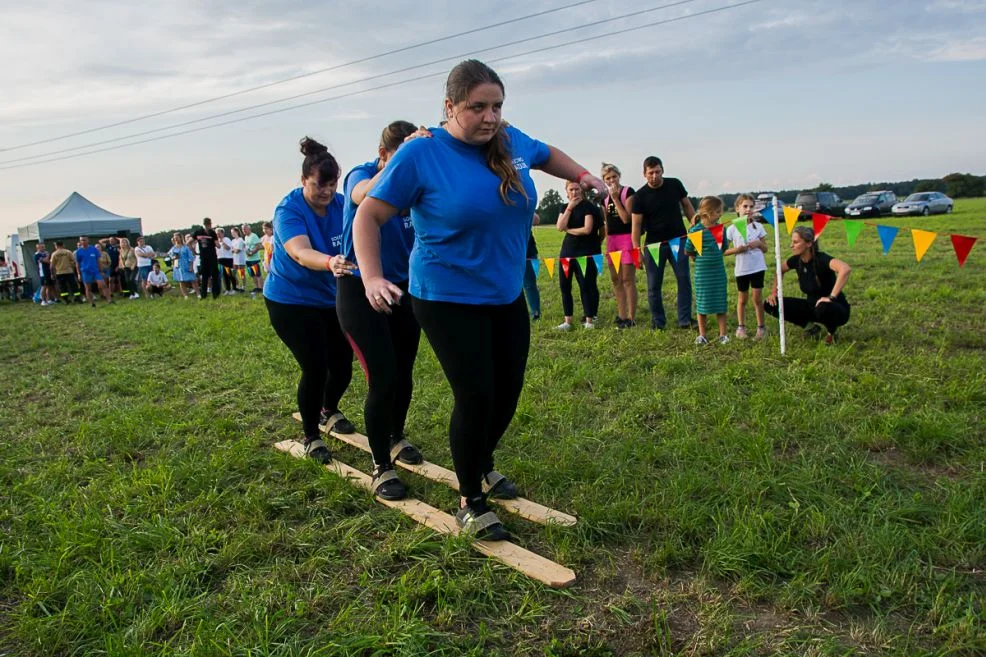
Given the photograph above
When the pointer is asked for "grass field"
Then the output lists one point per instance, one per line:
(730, 501)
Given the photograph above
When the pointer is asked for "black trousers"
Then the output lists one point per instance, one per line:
(386, 346)
(68, 287)
(802, 312)
(483, 352)
(588, 288)
(314, 338)
(208, 271)
(229, 278)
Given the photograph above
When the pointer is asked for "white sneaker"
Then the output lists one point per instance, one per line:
(564, 326)
(701, 340)
(723, 339)
(589, 325)
(135, 296)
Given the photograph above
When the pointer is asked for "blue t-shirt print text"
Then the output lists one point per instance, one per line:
(470, 247)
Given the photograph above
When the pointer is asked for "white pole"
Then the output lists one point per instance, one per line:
(778, 217)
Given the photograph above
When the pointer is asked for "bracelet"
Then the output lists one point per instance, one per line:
(582, 175)
(328, 263)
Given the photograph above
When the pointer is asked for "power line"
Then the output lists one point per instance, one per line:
(305, 94)
(385, 86)
(297, 77)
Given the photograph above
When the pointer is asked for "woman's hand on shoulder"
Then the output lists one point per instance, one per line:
(420, 132)
(382, 294)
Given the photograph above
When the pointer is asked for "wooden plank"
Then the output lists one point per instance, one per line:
(520, 506)
(529, 563)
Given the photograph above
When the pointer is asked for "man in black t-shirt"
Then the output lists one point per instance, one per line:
(208, 261)
(657, 210)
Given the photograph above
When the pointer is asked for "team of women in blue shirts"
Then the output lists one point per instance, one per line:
(431, 235)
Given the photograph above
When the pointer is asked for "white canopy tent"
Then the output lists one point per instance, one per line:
(76, 216)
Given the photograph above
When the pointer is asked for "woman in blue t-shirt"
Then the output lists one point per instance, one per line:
(471, 198)
(386, 345)
(300, 293)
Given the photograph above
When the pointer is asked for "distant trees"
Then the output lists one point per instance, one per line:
(961, 185)
(550, 207)
(824, 187)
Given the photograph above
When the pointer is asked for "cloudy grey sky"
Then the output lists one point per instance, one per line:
(777, 94)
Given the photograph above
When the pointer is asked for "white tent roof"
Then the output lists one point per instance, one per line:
(76, 216)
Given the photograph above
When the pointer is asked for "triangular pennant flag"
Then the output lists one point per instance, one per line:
(635, 256)
(887, 236)
(598, 259)
(818, 223)
(768, 214)
(922, 241)
(655, 252)
(790, 218)
(536, 266)
(616, 257)
(740, 226)
(717, 233)
(853, 228)
(962, 245)
(696, 240)
(583, 261)
(550, 264)
(675, 245)
(566, 266)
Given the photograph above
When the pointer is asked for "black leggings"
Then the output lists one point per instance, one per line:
(483, 352)
(804, 311)
(386, 346)
(208, 271)
(326, 359)
(588, 289)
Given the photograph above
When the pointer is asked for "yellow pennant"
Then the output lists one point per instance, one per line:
(922, 241)
(790, 218)
(550, 264)
(696, 240)
(616, 257)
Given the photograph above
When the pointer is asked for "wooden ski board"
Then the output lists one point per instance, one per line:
(529, 563)
(520, 506)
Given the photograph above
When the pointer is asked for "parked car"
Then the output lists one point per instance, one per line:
(923, 203)
(872, 204)
(822, 202)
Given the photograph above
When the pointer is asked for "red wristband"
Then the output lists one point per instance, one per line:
(582, 175)
(328, 263)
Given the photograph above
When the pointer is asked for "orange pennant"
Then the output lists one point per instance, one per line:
(790, 218)
(922, 241)
(616, 257)
(696, 240)
(550, 264)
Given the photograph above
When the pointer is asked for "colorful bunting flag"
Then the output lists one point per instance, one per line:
(790, 218)
(887, 236)
(583, 262)
(598, 259)
(635, 256)
(536, 266)
(768, 214)
(962, 245)
(922, 241)
(616, 257)
(740, 226)
(566, 266)
(717, 233)
(675, 247)
(853, 229)
(818, 223)
(550, 264)
(655, 252)
(696, 240)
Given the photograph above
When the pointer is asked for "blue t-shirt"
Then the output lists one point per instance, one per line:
(396, 236)
(88, 259)
(470, 247)
(289, 282)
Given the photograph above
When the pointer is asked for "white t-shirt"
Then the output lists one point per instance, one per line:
(752, 261)
(144, 255)
(157, 278)
(239, 251)
(224, 248)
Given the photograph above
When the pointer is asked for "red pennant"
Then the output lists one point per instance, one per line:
(635, 255)
(818, 223)
(566, 265)
(962, 245)
(717, 233)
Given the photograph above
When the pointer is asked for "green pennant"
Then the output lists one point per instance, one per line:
(655, 251)
(583, 261)
(853, 228)
(740, 225)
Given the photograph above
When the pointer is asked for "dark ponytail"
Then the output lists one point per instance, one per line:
(394, 135)
(318, 161)
(461, 80)
(808, 235)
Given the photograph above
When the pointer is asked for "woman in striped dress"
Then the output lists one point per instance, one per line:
(710, 270)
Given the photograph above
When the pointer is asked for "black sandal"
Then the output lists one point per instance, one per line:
(405, 452)
(499, 487)
(476, 518)
(386, 484)
(316, 450)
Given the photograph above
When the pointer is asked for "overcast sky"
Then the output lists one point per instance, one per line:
(777, 94)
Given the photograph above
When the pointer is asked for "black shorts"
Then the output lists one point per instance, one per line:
(744, 283)
(47, 280)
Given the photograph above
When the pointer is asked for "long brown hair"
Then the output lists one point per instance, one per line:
(462, 79)
(708, 206)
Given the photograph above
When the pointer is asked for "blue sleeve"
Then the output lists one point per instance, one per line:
(288, 223)
(400, 183)
(533, 151)
(355, 176)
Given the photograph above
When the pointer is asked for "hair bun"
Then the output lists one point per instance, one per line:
(311, 147)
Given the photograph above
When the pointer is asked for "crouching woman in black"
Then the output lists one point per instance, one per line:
(822, 278)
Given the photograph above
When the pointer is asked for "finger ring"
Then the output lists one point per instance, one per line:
(378, 298)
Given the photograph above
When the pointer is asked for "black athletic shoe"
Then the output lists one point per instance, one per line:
(386, 484)
(339, 422)
(477, 519)
(316, 450)
(497, 486)
(813, 331)
(407, 453)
